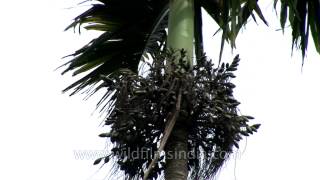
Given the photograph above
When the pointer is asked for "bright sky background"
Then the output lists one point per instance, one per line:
(40, 128)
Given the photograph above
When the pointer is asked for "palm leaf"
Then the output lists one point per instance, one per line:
(304, 16)
(131, 28)
(231, 16)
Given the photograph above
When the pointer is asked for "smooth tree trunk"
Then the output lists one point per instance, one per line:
(177, 153)
(180, 36)
(181, 26)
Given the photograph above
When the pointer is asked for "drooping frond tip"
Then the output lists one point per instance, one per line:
(231, 16)
(303, 16)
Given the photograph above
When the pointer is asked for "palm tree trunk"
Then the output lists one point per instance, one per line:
(176, 153)
(180, 36)
(181, 26)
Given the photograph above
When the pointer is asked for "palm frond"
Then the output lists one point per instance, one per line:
(231, 16)
(303, 16)
(130, 29)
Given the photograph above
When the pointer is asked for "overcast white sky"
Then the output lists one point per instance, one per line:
(40, 128)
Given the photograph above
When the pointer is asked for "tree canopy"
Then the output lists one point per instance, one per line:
(140, 109)
(134, 29)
